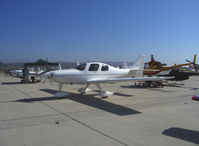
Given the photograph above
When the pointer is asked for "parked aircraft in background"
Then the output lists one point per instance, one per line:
(159, 67)
(19, 73)
(26, 76)
(177, 74)
(97, 73)
(16, 73)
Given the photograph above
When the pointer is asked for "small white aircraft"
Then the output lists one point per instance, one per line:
(97, 73)
(19, 73)
(16, 73)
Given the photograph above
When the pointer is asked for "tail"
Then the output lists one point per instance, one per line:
(139, 63)
(194, 63)
(59, 67)
(194, 59)
(138, 67)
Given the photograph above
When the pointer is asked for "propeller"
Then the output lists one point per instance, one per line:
(188, 61)
(48, 80)
(51, 82)
(44, 81)
(47, 76)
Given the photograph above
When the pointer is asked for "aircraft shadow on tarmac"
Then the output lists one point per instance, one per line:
(89, 100)
(131, 87)
(183, 134)
(159, 89)
(10, 83)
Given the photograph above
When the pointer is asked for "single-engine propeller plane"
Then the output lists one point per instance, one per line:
(97, 73)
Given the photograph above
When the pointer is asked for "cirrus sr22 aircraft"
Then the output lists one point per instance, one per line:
(97, 73)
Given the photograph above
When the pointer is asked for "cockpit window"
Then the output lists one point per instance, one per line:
(81, 67)
(104, 68)
(94, 67)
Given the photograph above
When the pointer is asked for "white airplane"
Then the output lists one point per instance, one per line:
(16, 73)
(19, 73)
(97, 73)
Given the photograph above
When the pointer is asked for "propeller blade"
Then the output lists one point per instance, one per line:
(50, 82)
(60, 86)
(44, 81)
(188, 61)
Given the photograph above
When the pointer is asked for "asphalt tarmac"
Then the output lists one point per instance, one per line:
(31, 116)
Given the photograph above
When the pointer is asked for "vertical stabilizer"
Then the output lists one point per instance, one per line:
(139, 63)
(194, 63)
(138, 67)
(194, 59)
(59, 67)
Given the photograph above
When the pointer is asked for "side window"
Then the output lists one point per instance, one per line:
(94, 67)
(104, 68)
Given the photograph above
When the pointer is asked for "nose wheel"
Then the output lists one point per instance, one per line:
(105, 94)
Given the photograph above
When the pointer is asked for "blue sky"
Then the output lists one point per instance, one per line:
(100, 30)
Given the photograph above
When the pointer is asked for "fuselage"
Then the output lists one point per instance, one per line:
(85, 72)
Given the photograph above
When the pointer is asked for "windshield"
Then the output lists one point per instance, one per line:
(81, 67)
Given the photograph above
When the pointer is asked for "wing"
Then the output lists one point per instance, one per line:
(113, 80)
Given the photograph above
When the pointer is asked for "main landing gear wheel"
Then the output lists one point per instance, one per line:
(105, 94)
